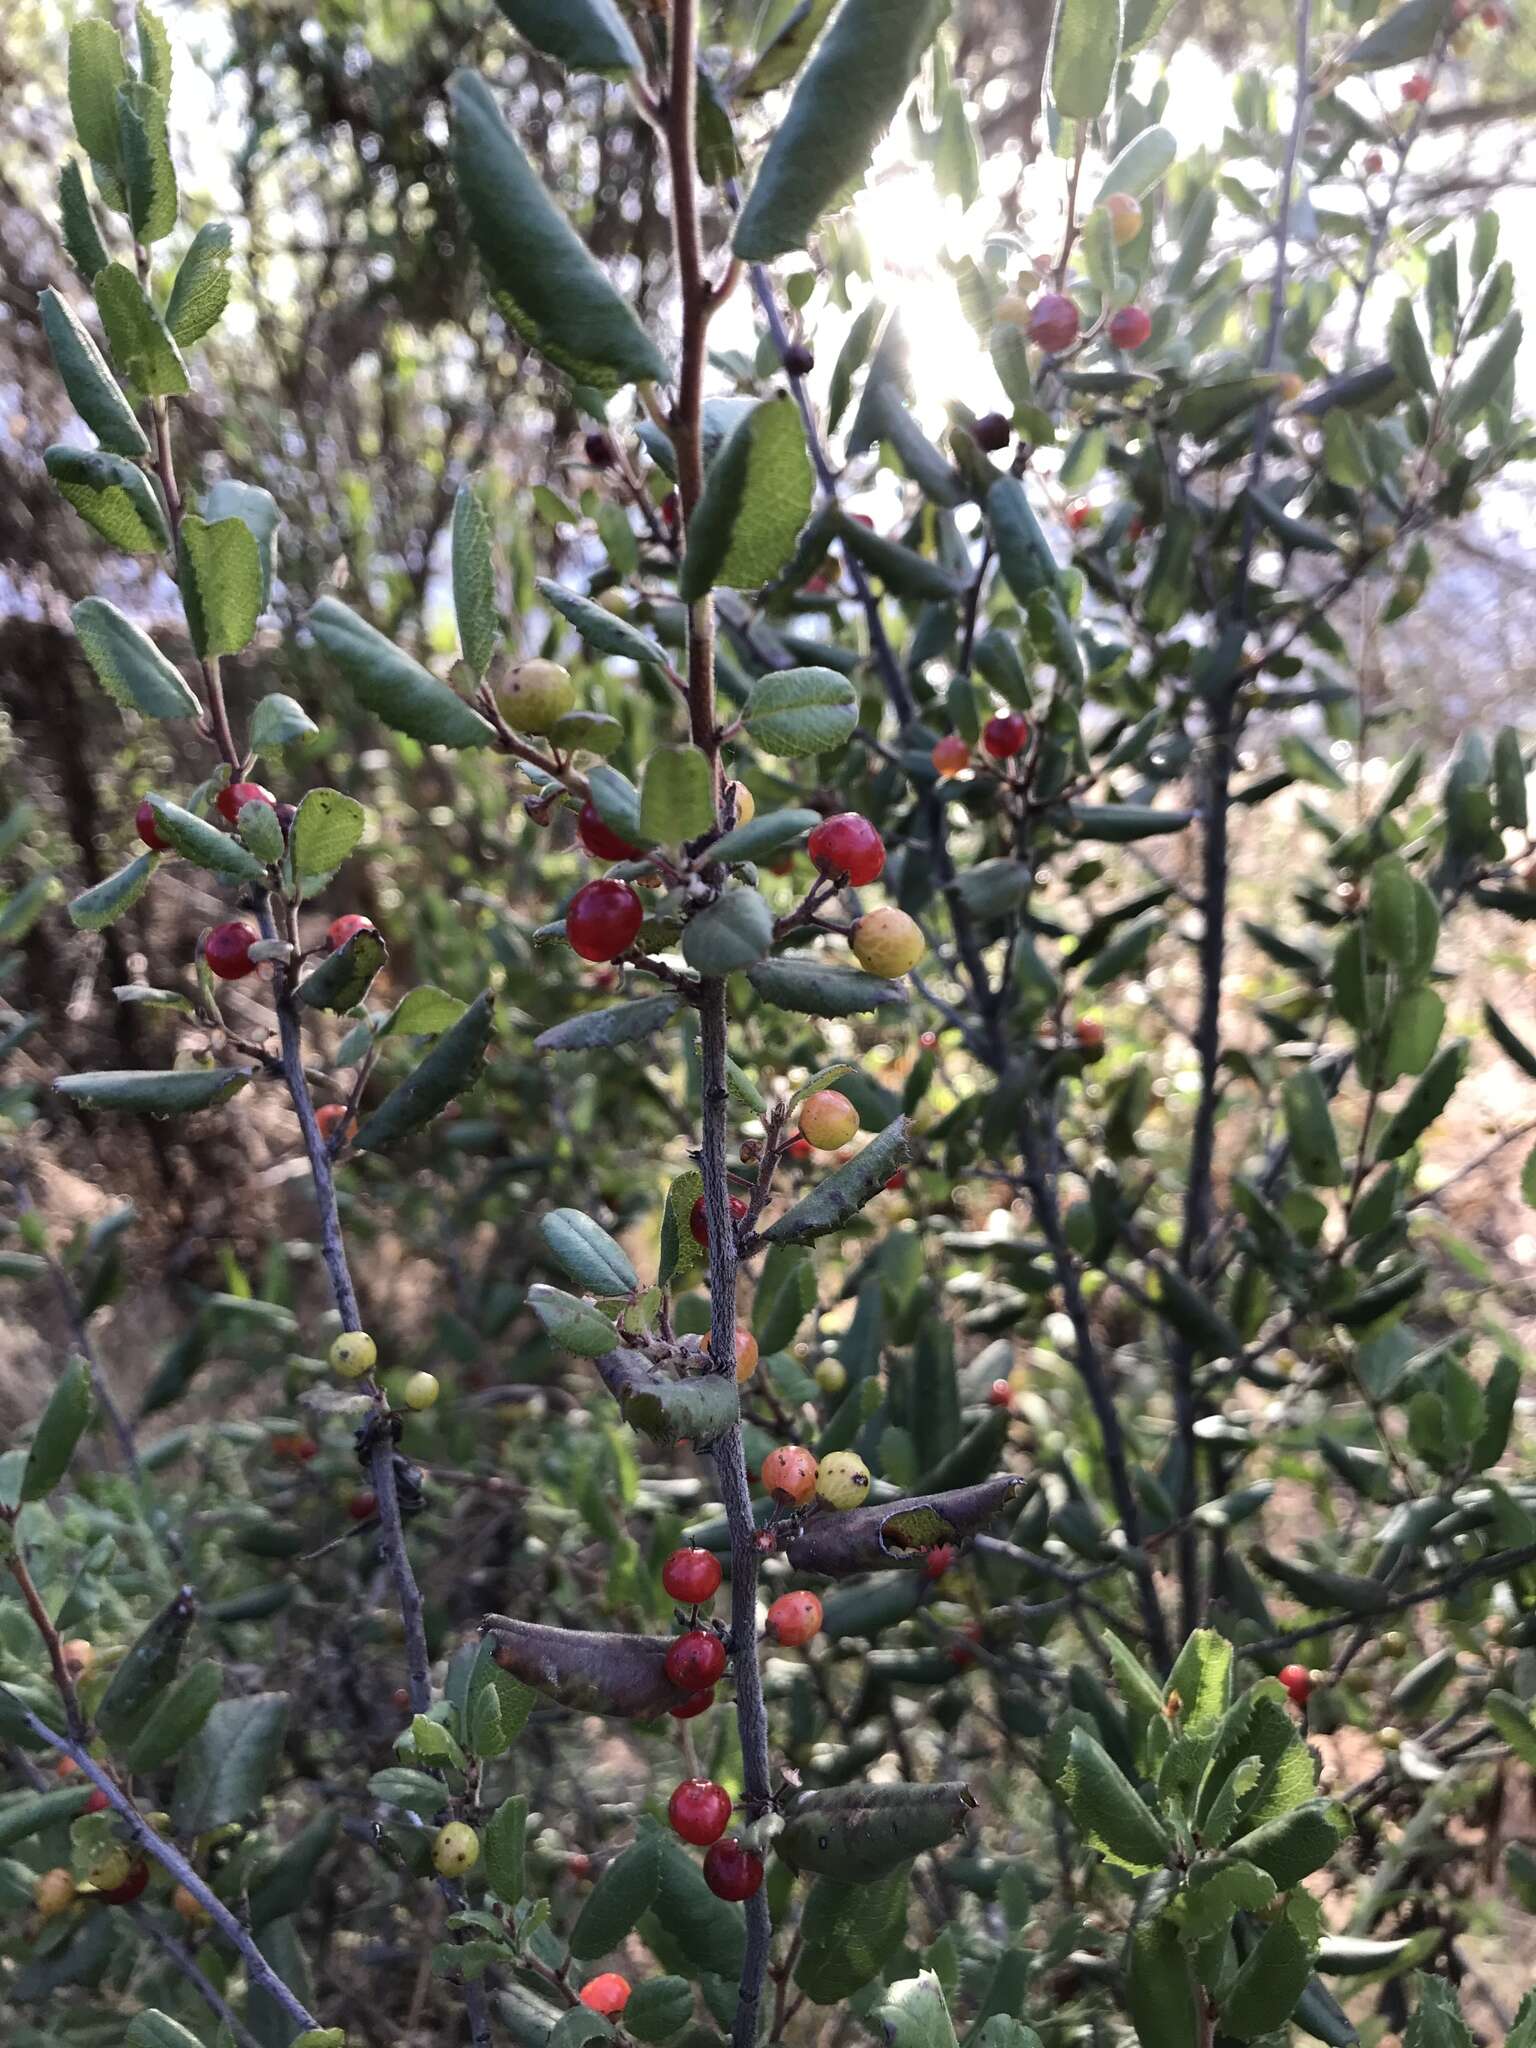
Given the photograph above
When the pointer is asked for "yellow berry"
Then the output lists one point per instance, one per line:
(746, 1354)
(421, 1390)
(831, 1375)
(187, 1906)
(54, 1893)
(455, 1849)
(614, 601)
(842, 1480)
(79, 1656)
(1125, 216)
(746, 802)
(1012, 310)
(1390, 1738)
(1289, 386)
(887, 942)
(353, 1354)
(536, 695)
(827, 1120)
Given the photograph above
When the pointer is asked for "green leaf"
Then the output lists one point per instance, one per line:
(859, 1833)
(1509, 780)
(257, 510)
(175, 1091)
(63, 1423)
(782, 56)
(204, 844)
(842, 106)
(1299, 1842)
(505, 1835)
(1512, 1719)
(1424, 1101)
(1309, 1130)
(326, 827)
(799, 711)
(659, 2008)
(474, 581)
(221, 583)
(1107, 1806)
(850, 1931)
(111, 494)
(1145, 160)
(1269, 1983)
(843, 1193)
(149, 176)
(901, 569)
(621, 1025)
(1218, 1889)
(407, 697)
(150, 2029)
(1402, 920)
(451, 1066)
(1488, 375)
(585, 35)
(542, 277)
(764, 834)
(154, 51)
(97, 67)
(593, 731)
(1407, 32)
(176, 1717)
(757, 496)
(617, 801)
(344, 977)
(1202, 1678)
(93, 390)
(786, 1292)
(201, 290)
(591, 1257)
(623, 1892)
(602, 632)
(676, 799)
(223, 1775)
(1160, 1992)
(1405, 346)
(97, 907)
(813, 988)
(137, 337)
(128, 664)
(1085, 48)
(915, 2015)
(734, 931)
(82, 237)
(572, 1323)
(277, 721)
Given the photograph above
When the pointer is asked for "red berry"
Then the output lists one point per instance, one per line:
(400, 1699)
(691, 1576)
(700, 1811)
(607, 1994)
(696, 1703)
(233, 795)
(959, 1655)
(939, 1560)
(1129, 327)
(1089, 1033)
(1053, 322)
(847, 845)
(1417, 89)
(1374, 161)
(897, 1181)
(97, 1803)
(600, 840)
(132, 1885)
(362, 1507)
(698, 1218)
(1078, 516)
(144, 824)
(696, 1660)
(671, 511)
(789, 1473)
(1000, 1393)
(227, 949)
(602, 919)
(330, 1119)
(951, 755)
(992, 432)
(732, 1870)
(1005, 735)
(578, 1866)
(928, 1040)
(1297, 1680)
(1491, 17)
(340, 929)
(800, 1148)
(300, 1449)
(794, 1618)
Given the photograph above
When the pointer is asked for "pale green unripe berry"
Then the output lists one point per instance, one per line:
(455, 1849)
(842, 1480)
(831, 1375)
(353, 1354)
(536, 695)
(887, 942)
(421, 1390)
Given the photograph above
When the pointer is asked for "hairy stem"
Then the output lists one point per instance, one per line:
(728, 1454)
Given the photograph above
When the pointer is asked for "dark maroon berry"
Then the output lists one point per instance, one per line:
(993, 431)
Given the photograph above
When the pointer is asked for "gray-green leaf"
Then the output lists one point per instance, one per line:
(201, 290)
(138, 338)
(221, 583)
(95, 908)
(586, 35)
(799, 711)
(175, 1091)
(451, 1066)
(204, 844)
(406, 696)
(474, 580)
(757, 496)
(128, 664)
(734, 931)
(223, 1775)
(591, 1257)
(111, 494)
(92, 388)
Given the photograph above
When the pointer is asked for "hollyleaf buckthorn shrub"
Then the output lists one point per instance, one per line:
(511, 518)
